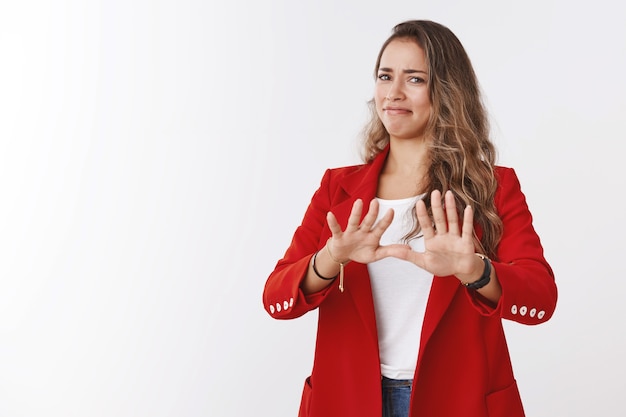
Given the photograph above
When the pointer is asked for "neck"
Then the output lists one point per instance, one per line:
(407, 158)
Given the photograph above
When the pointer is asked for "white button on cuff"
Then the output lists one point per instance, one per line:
(271, 309)
(285, 305)
(278, 307)
(541, 314)
(523, 310)
(533, 311)
(514, 309)
(291, 302)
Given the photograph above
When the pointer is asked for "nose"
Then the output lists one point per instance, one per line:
(395, 91)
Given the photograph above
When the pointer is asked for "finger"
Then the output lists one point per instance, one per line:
(355, 216)
(383, 223)
(424, 220)
(453, 217)
(404, 252)
(370, 217)
(396, 250)
(439, 216)
(468, 224)
(333, 224)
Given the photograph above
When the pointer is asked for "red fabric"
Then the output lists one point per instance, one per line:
(463, 365)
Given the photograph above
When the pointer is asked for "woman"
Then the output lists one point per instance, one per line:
(412, 291)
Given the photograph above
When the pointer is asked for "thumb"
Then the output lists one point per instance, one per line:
(397, 250)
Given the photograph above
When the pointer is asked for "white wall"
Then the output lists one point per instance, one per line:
(156, 156)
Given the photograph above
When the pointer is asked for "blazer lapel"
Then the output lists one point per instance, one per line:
(360, 184)
(441, 294)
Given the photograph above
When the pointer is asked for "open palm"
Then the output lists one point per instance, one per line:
(449, 246)
(360, 241)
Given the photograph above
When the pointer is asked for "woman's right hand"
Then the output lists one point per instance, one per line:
(359, 242)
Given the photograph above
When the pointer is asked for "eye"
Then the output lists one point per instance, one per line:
(416, 80)
(384, 77)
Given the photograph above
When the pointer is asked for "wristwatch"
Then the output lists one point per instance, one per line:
(484, 278)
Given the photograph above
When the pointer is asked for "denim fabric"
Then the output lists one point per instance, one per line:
(396, 397)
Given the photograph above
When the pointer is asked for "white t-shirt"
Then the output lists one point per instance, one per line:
(400, 290)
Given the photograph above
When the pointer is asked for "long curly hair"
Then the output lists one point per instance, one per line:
(461, 154)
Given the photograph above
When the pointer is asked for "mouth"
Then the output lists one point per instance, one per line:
(396, 110)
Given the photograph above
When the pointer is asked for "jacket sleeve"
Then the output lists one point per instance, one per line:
(529, 292)
(282, 296)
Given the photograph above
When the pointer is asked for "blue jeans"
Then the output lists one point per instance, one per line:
(396, 397)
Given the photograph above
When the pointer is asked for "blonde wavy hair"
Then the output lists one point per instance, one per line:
(462, 156)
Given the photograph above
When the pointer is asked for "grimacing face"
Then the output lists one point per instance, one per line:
(401, 93)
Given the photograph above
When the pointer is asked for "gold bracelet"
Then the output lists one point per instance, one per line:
(341, 264)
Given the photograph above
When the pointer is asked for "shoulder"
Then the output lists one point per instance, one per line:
(345, 177)
(505, 176)
(509, 189)
(337, 175)
(345, 171)
(358, 174)
(503, 171)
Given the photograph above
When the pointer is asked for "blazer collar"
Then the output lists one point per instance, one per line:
(363, 183)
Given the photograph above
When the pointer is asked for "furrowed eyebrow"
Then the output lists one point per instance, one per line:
(406, 71)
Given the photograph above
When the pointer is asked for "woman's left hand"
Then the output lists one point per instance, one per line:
(448, 245)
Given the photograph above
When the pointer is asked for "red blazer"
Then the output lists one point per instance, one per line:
(463, 367)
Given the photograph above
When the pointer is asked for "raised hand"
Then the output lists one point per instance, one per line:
(449, 246)
(360, 241)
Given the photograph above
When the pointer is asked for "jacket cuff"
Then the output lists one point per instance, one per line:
(484, 306)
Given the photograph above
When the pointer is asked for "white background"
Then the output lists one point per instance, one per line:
(156, 157)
